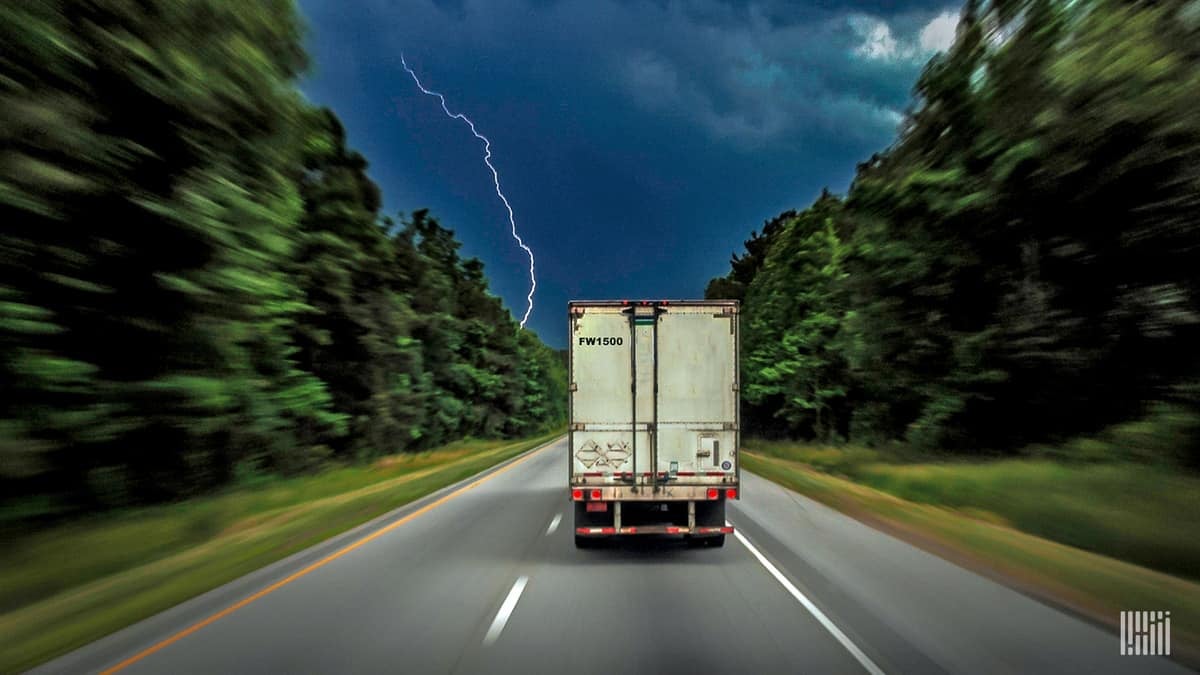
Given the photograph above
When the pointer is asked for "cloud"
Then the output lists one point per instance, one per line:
(656, 85)
(749, 78)
(743, 72)
(938, 34)
(877, 40)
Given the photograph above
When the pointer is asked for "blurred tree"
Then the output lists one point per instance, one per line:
(744, 267)
(1020, 265)
(355, 336)
(790, 362)
(149, 222)
(194, 281)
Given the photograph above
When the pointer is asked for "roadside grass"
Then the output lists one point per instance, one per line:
(1143, 514)
(67, 586)
(999, 518)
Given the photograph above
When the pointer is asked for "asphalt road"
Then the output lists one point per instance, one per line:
(486, 579)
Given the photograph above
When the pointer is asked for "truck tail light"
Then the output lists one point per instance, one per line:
(731, 493)
(577, 494)
(713, 493)
(596, 494)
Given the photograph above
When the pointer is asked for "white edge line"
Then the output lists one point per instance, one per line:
(836, 632)
(506, 611)
(554, 524)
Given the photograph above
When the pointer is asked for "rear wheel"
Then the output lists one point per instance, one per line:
(584, 542)
(717, 541)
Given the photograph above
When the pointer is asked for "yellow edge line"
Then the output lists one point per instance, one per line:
(318, 564)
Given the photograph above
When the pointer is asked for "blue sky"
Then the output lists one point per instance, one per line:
(638, 142)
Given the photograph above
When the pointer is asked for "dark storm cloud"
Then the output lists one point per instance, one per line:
(777, 13)
(678, 126)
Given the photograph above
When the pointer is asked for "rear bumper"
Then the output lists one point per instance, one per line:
(652, 529)
(647, 493)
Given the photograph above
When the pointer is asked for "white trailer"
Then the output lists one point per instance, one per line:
(654, 431)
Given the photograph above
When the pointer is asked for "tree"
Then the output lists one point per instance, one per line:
(149, 225)
(792, 364)
(1019, 266)
(194, 279)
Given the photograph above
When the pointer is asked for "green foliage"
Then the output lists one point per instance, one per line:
(195, 280)
(72, 583)
(1134, 512)
(1019, 267)
(793, 312)
(1162, 437)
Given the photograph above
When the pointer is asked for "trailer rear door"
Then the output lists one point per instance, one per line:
(654, 391)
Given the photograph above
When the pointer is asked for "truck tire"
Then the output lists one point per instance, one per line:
(717, 541)
(584, 542)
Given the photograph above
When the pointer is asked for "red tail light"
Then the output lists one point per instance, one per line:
(595, 494)
(731, 493)
(576, 494)
(713, 493)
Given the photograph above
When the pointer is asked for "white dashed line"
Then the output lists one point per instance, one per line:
(554, 524)
(506, 611)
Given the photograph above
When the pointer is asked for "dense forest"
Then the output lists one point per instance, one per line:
(196, 281)
(1020, 267)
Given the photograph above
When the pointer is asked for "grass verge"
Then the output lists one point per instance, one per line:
(1091, 584)
(69, 585)
(1141, 513)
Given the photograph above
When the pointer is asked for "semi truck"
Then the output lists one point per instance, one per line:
(653, 431)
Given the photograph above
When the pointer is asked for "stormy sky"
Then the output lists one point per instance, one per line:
(638, 142)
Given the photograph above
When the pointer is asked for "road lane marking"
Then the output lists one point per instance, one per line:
(554, 524)
(506, 610)
(863, 660)
(166, 642)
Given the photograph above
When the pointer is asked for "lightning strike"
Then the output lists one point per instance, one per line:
(487, 159)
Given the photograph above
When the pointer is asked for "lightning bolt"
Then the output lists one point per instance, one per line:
(487, 159)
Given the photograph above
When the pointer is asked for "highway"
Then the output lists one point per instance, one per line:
(483, 577)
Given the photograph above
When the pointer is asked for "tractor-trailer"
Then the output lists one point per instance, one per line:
(653, 434)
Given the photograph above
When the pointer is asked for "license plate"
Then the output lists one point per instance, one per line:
(597, 506)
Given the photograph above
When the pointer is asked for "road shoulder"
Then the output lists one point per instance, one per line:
(1088, 586)
(110, 649)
